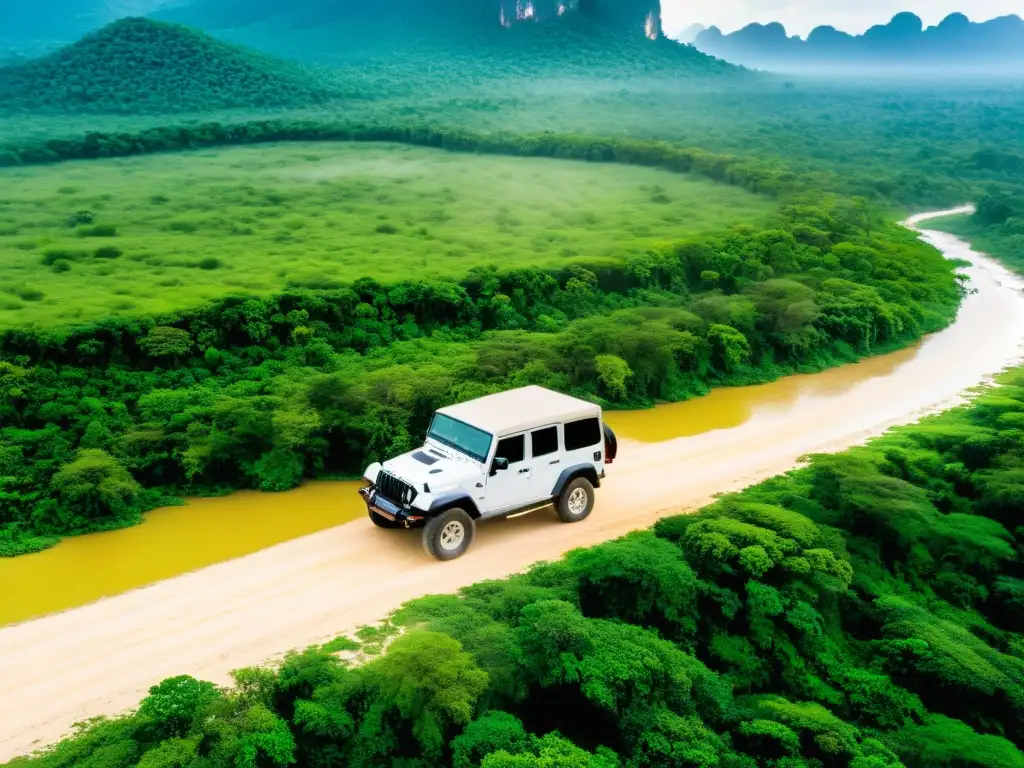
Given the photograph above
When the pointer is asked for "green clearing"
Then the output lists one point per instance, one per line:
(194, 227)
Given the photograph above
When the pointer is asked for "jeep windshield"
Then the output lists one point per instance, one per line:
(471, 441)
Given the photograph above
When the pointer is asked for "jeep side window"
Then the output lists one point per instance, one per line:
(544, 441)
(582, 434)
(511, 448)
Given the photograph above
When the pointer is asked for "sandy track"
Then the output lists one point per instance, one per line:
(101, 658)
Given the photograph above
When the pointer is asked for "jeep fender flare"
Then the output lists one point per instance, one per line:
(571, 473)
(454, 498)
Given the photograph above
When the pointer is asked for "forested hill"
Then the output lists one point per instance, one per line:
(137, 65)
(903, 42)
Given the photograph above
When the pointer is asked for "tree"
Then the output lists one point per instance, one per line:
(164, 341)
(489, 733)
(941, 742)
(431, 683)
(994, 210)
(172, 707)
(730, 347)
(96, 484)
(553, 751)
(639, 579)
(612, 374)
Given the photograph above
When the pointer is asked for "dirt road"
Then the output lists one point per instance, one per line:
(101, 658)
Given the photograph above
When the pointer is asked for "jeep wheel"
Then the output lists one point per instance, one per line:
(449, 534)
(382, 522)
(576, 501)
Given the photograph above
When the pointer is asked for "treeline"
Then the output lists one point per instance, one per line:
(99, 423)
(864, 612)
(764, 177)
(996, 227)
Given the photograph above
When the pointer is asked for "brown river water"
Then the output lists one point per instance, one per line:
(177, 540)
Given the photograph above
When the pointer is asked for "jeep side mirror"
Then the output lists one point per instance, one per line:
(500, 463)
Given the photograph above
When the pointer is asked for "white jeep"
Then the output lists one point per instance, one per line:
(497, 456)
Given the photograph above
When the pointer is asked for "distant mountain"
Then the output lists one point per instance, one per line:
(388, 45)
(689, 34)
(902, 43)
(137, 65)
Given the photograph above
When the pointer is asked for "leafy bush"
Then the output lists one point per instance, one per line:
(98, 230)
(108, 252)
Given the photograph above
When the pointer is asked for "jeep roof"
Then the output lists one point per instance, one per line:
(518, 410)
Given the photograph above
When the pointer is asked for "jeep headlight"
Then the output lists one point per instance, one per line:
(370, 475)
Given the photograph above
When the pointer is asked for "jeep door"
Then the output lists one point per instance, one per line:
(545, 460)
(509, 488)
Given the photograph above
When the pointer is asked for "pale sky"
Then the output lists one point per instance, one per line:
(801, 16)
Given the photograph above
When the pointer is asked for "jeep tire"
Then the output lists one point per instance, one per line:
(449, 534)
(382, 522)
(576, 500)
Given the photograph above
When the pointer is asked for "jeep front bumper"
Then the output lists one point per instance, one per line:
(389, 510)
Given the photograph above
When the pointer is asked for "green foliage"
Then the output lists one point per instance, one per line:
(172, 707)
(255, 392)
(1003, 240)
(944, 743)
(638, 579)
(94, 486)
(164, 341)
(432, 683)
(311, 211)
(612, 374)
(491, 732)
(137, 65)
(552, 751)
(800, 622)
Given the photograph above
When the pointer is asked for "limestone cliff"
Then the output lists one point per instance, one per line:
(633, 17)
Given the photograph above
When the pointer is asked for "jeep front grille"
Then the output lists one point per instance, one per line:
(390, 487)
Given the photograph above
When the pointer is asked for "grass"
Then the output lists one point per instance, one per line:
(86, 240)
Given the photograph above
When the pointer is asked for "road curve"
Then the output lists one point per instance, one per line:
(101, 658)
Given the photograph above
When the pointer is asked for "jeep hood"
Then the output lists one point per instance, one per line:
(428, 465)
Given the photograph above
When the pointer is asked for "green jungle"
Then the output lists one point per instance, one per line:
(242, 260)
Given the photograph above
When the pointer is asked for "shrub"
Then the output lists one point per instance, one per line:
(98, 230)
(52, 255)
(107, 252)
(80, 217)
(29, 294)
(209, 263)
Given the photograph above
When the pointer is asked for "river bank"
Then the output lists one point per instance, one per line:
(101, 658)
